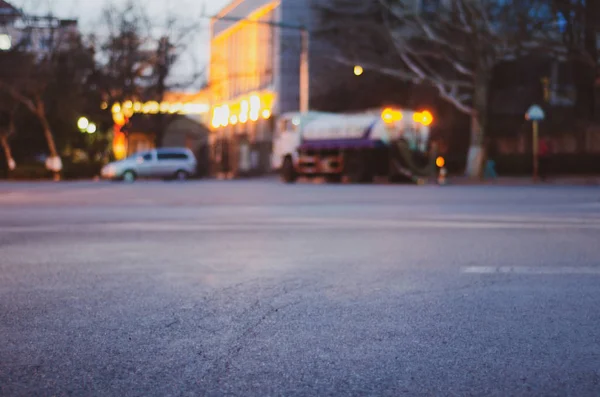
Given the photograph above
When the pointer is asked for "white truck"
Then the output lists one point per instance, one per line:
(385, 142)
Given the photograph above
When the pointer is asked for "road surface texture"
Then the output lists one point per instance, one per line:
(256, 288)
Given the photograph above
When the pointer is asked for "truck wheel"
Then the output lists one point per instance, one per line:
(288, 172)
(334, 178)
(357, 167)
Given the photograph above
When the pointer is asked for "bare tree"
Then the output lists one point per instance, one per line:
(580, 21)
(26, 85)
(8, 109)
(175, 38)
(139, 55)
(453, 48)
(27, 73)
(125, 54)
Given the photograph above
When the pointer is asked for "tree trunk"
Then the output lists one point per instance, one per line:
(163, 68)
(48, 134)
(476, 156)
(10, 161)
(41, 115)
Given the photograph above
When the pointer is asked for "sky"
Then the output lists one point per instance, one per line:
(88, 13)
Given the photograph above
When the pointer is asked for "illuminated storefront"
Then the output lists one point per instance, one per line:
(194, 106)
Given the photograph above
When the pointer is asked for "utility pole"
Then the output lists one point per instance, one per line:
(304, 71)
(304, 87)
(536, 158)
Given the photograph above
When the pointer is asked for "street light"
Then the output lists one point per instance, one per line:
(83, 123)
(91, 128)
(358, 70)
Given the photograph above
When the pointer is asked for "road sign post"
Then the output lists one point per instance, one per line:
(536, 161)
(535, 114)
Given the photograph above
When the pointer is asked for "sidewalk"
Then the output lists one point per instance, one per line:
(563, 180)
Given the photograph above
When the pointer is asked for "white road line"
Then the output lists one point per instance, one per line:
(573, 270)
(448, 222)
(588, 219)
(293, 223)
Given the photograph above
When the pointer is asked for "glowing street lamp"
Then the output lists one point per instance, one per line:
(358, 70)
(91, 128)
(83, 123)
(5, 42)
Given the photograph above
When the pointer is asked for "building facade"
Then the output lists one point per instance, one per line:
(39, 35)
(254, 76)
(126, 141)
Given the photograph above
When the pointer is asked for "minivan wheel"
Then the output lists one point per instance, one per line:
(129, 176)
(181, 175)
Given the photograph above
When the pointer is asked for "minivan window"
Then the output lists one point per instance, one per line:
(137, 155)
(172, 156)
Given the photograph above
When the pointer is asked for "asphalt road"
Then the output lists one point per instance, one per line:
(255, 288)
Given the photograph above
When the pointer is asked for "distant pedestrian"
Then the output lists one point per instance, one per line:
(490, 164)
(544, 152)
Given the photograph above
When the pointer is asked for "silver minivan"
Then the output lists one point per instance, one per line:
(167, 163)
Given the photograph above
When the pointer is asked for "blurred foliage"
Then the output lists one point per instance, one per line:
(82, 170)
(30, 172)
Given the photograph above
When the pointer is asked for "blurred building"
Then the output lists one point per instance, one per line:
(255, 76)
(36, 34)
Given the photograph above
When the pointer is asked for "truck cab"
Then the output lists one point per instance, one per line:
(287, 139)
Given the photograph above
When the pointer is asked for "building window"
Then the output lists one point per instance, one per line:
(172, 156)
(242, 58)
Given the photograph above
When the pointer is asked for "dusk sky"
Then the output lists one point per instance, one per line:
(88, 12)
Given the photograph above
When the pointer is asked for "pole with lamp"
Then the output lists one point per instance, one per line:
(535, 114)
(86, 126)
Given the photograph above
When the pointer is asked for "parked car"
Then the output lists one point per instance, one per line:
(167, 163)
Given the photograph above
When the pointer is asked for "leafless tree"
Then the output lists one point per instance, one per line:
(580, 21)
(138, 57)
(8, 108)
(26, 85)
(453, 48)
(27, 73)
